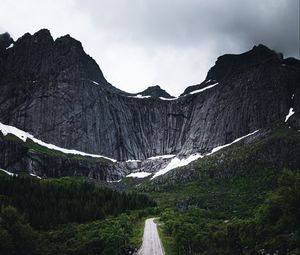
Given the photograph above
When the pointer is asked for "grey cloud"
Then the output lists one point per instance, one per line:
(172, 43)
(190, 23)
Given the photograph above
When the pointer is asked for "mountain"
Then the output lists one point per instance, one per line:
(220, 162)
(53, 90)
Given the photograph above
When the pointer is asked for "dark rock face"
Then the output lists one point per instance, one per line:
(38, 57)
(48, 89)
(156, 92)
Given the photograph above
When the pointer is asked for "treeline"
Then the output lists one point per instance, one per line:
(47, 203)
(273, 229)
(16, 235)
(68, 216)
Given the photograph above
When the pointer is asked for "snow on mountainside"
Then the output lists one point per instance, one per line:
(61, 97)
(291, 112)
(203, 89)
(174, 162)
(177, 162)
(6, 129)
(139, 175)
(7, 172)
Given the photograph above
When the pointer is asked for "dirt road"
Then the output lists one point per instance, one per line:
(151, 242)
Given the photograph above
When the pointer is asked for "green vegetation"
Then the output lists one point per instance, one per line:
(227, 197)
(113, 235)
(68, 216)
(168, 242)
(273, 226)
(137, 236)
(243, 200)
(16, 235)
(51, 202)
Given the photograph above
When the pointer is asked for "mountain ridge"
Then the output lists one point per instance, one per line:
(57, 93)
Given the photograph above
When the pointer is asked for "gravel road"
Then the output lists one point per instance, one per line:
(151, 242)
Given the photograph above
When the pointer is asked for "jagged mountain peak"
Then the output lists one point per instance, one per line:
(39, 37)
(229, 63)
(69, 41)
(43, 39)
(155, 91)
(263, 51)
(44, 32)
(81, 111)
(39, 57)
(45, 35)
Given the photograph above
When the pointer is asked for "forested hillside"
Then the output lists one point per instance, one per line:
(40, 216)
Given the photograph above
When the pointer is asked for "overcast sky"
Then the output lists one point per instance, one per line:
(173, 43)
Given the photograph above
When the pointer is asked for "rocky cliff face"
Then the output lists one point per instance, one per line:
(17, 156)
(55, 91)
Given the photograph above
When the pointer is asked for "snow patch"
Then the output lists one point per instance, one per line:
(9, 173)
(114, 181)
(139, 175)
(133, 161)
(95, 82)
(34, 175)
(168, 99)
(139, 96)
(226, 145)
(208, 81)
(10, 46)
(6, 129)
(161, 156)
(291, 112)
(292, 97)
(176, 162)
(203, 89)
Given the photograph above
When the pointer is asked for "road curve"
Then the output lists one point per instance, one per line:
(151, 242)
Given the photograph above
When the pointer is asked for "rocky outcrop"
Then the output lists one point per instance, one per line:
(156, 92)
(55, 91)
(16, 156)
(5, 41)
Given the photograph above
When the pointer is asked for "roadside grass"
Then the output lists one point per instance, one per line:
(136, 239)
(168, 242)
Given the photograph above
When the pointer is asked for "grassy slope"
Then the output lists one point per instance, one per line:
(233, 173)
